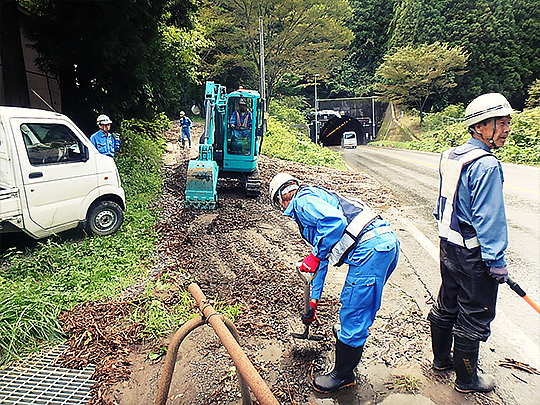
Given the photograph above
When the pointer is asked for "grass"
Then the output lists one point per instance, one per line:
(406, 383)
(58, 273)
(284, 141)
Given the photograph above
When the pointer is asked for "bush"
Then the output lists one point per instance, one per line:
(284, 140)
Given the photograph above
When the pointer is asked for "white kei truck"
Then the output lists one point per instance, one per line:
(53, 179)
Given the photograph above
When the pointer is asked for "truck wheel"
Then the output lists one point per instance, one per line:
(105, 218)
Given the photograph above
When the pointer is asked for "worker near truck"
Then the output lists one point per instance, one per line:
(105, 142)
(473, 238)
(186, 125)
(341, 230)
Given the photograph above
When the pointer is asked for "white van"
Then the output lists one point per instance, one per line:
(53, 179)
(348, 139)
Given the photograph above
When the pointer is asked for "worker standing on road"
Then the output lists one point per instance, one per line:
(186, 125)
(105, 142)
(473, 238)
(341, 230)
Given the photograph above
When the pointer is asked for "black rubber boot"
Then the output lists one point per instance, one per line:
(347, 358)
(441, 343)
(466, 366)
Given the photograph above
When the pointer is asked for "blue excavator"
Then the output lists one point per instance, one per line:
(229, 147)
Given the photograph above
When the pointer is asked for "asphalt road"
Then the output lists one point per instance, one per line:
(413, 177)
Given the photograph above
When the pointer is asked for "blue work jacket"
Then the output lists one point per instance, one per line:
(185, 122)
(480, 203)
(106, 144)
(321, 221)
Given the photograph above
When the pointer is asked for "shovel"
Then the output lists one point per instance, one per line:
(306, 278)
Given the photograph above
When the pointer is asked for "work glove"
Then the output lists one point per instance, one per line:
(310, 264)
(309, 317)
(499, 273)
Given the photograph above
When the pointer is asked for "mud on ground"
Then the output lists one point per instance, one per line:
(245, 252)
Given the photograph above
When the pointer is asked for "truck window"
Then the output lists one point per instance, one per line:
(51, 144)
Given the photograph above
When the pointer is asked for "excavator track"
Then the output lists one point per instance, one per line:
(253, 183)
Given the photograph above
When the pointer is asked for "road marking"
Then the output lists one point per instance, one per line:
(522, 189)
(521, 343)
(422, 239)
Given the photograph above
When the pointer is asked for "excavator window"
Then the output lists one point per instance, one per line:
(240, 126)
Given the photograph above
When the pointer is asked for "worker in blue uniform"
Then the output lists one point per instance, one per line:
(341, 230)
(186, 125)
(105, 142)
(473, 238)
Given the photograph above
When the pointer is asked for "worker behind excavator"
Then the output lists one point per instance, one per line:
(186, 125)
(240, 122)
(341, 230)
(473, 238)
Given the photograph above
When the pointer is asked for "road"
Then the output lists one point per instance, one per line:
(413, 177)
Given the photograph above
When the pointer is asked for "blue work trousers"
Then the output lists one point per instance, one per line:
(186, 133)
(370, 265)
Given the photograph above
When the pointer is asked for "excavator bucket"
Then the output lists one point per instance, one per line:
(201, 185)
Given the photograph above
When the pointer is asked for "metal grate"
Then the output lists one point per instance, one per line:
(38, 381)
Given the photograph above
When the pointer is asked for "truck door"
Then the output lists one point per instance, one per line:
(57, 170)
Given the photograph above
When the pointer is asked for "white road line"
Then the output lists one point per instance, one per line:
(521, 343)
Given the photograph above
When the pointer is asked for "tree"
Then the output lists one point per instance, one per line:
(412, 74)
(108, 56)
(302, 37)
(11, 54)
(502, 37)
(534, 94)
(369, 23)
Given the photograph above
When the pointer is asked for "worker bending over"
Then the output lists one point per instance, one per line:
(341, 230)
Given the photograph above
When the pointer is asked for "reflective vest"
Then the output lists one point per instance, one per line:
(450, 169)
(358, 216)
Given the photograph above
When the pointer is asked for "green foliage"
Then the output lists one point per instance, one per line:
(448, 116)
(301, 37)
(369, 23)
(283, 140)
(502, 38)
(522, 146)
(534, 94)
(412, 74)
(160, 318)
(112, 57)
(36, 285)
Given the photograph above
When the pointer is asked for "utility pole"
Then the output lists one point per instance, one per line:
(372, 118)
(262, 84)
(316, 112)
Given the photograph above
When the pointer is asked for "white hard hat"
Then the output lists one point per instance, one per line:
(182, 113)
(103, 119)
(486, 106)
(280, 184)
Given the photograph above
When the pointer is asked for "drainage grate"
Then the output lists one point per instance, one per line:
(38, 381)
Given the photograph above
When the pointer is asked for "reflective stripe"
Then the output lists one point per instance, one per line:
(374, 233)
(341, 249)
(450, 171)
